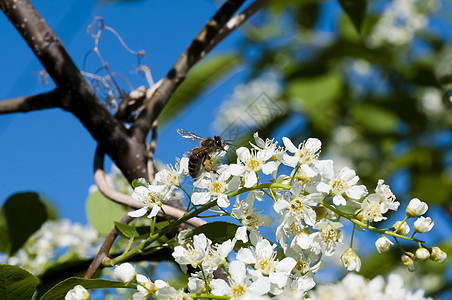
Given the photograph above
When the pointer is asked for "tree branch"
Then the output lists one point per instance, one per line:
(176, 75)
(233, 24)
(52, 99)
(128, 154)
(104, 188)
(105, 248)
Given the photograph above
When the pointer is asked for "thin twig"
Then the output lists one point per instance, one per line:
(104, 249)
(104, 188)
(233, 24)
(176, 75)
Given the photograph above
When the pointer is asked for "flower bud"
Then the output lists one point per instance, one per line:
(416, 208)
(407, 260)
(125, 272)
(423, 224)
(360, 216)
(383, 244)
(351, 260)
(320, 212)
(437, 255)
(422, 254)
(404, 228)
(78, 293)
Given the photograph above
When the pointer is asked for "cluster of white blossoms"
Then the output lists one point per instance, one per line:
(312, 198)
(55, 242)
(401, 20)
(356, 287)
(162, 188)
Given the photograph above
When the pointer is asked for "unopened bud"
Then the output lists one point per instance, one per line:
(437, 255)
(351, 260)
(320, 212)
(422, 254)
(404, 228)
(416, 208)
(407, 260)
(423, 224)
(360, 216)
(78, 293)
(125, 272)
(383, 244)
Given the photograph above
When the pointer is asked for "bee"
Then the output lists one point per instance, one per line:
(199, 155)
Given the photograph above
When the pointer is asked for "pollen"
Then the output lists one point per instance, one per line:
(238, 290)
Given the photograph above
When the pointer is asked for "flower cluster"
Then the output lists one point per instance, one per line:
(313, 200)
(55, 239)
(161, 189)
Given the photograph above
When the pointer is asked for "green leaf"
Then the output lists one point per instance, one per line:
(128, 231)
(356, 11)
(316, 97)
(375, 118)
(431, 187)
(197, 81)
(61, 289)
(102, 212)
(22, 214)
(16, 283)
(136, 183)
(217, 232)
(138, 232)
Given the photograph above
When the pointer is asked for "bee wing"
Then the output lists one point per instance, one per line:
(188, 135)
(188, 153)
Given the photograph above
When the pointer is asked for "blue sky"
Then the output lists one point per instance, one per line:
(49, 151)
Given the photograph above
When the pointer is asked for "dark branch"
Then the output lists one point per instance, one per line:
(105, 248)
(53, 99)
(128, 155)
(176, 75)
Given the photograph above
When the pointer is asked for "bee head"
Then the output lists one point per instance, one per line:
(219, 143)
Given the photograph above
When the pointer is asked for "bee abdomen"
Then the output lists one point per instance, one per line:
(195, 162)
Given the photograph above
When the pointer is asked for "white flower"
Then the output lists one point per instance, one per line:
(193, 254)
(423, 224)
(351, 260)
(299, 208)
(263, 258)
(342, 185)
(383, 244)
(77, 293)
(217, 255)
(171, 176)
(422, 254)
(416, 208)
(250, 163)
(387, 197)
(125, 272)
(251, 220)
(168, 292)
(151, 196)
(326, 239)
(372, 209)
(212, 187)
(144, 287)
(306, 153)
(438, 255)
(401, 228)
(239, 283)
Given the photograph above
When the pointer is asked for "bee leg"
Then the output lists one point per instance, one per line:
(208, 168)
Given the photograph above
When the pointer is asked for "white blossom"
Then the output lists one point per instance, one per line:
(77, 293)
(416, 208)
(423, 224)
(383, 244)
(125, 272)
